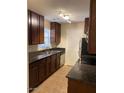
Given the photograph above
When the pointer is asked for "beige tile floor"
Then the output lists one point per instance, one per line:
(56, 83)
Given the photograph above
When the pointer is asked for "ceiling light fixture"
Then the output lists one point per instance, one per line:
(69, 21)
(66, 17)
(61, 15)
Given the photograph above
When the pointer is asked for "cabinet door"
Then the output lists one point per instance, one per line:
(52, 33)
(86, 28)
(35, 28)
(41, 36)
(42, 70)
(92, 29)
(53, 63)
(29, 28)
(55, 33)
(48, 61)
(75, 86)
(33, 75)
(58, 33)
(58, 61)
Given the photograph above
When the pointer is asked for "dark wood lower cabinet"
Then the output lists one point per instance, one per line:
(40, 70)
(58, 61)
(48, 62)
(75, 86)
(53, 63)
(33, 75)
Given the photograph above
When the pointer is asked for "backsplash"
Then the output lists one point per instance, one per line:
(32, 48)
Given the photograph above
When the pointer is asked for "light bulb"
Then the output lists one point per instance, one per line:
(61, 15)
(66, 17)
(69, 21)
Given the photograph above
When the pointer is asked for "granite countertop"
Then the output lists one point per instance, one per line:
(35, 56)
(83, 72)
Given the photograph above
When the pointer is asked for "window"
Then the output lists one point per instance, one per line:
(46, 39)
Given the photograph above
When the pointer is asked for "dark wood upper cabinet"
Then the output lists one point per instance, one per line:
(41, 30)
(58, 34)
(52, 33)
(29, 27)
(86, 28)
(55, 33)
(92, 28)
(35, 28)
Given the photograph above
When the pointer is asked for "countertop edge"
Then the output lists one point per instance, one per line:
(78, 76)
(31, 60)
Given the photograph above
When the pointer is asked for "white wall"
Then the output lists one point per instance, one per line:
(70, 37)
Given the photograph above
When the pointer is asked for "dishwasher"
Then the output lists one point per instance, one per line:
(62, 59)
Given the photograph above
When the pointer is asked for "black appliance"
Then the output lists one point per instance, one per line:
(87, 58)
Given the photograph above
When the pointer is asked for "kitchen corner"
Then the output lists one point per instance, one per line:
(82, 77)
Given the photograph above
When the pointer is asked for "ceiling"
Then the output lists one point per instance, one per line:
(76, 9)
